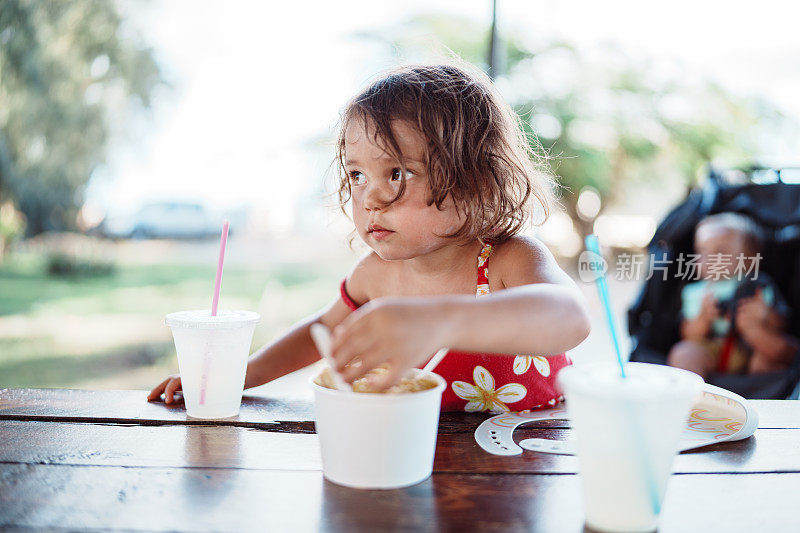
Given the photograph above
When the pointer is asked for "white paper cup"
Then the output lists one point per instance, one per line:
(212, 358)
(377, 441)
(627, 434)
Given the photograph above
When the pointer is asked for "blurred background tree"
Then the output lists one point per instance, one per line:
(606, 120)
(66, 68)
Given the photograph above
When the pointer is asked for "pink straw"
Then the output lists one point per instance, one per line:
(218, 281)
(214, 304)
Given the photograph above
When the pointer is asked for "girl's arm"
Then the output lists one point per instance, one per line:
(292, 351)
(542, 312)
(295, 349)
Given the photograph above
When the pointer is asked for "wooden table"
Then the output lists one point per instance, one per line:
(73, 459)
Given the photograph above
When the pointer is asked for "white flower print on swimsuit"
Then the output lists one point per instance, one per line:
(483, 397)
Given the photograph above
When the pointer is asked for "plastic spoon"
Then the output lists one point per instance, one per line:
(435, 360)
(428, 368)
(322, 339)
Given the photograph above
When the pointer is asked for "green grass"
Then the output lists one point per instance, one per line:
(25, 287)
(64, 370)
(145, 293)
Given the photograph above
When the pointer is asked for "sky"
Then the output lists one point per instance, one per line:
(256, 86)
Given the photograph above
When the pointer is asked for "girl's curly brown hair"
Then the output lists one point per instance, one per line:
(477, 151)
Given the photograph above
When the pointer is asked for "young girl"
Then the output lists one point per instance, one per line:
(439, 178)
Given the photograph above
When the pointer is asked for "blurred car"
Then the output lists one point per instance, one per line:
(174, 219)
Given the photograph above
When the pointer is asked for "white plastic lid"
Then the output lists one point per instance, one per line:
(202, 319)
(645, 382)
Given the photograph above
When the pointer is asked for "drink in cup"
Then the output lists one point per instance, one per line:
(627, 433)
(378, 440)
(212, 357)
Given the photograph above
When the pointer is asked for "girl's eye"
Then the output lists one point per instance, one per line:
(357, 178)
(397, 174)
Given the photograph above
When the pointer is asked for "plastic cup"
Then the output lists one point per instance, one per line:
(377, 441)
(627, 433)
(212, 358)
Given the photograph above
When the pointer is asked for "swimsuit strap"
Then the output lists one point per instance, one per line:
(346, 297)
(483, 270)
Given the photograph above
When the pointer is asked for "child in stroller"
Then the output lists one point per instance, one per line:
(772, 202)
(733, 319)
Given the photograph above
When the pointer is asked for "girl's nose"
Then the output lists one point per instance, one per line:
(377, 196)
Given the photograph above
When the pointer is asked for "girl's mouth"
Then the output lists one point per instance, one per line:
(378, 232)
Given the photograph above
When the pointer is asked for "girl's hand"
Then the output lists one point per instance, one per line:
(169, 386)
(399, 332)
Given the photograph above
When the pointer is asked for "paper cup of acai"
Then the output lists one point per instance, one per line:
(378, 440)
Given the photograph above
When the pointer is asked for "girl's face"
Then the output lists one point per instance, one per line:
(409, 227)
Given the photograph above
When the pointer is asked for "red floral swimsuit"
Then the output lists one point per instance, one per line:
(494, 382)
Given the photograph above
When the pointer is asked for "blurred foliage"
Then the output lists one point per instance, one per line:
(604, 118)
(72, 266)
(70, 72)
(74, 256)
(12, 225)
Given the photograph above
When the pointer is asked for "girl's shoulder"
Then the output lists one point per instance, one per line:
(360, 281)
(522, 260)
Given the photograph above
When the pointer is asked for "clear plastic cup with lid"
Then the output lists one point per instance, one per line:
(212, 357)
(627, 433)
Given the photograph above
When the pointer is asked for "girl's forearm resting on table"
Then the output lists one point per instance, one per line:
(290, 352)
(539, 319)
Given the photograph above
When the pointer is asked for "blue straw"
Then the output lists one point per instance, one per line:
(593, 245)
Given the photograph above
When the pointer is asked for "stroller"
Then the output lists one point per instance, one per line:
(771, 197)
